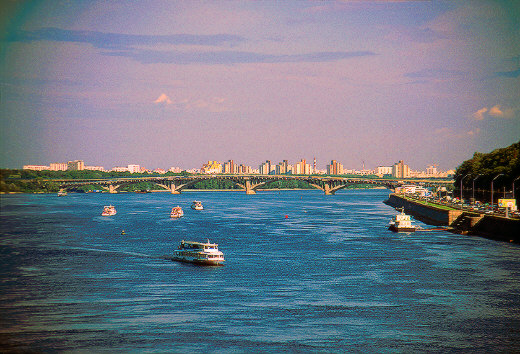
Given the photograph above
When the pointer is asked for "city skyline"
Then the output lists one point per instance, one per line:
(267, 167)
(168, 83)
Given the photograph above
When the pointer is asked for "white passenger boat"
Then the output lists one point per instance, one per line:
(176, 212)
(109, 210)
(197, 205)
(203, 253)
(62, 194)
(401, 223)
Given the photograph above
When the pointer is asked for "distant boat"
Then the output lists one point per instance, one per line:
(197, 205)
(62, 194)
(176, 212)
(109, 210)
(402, 223)
(203, 253)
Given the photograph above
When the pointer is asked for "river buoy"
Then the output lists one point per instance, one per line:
(286, 216)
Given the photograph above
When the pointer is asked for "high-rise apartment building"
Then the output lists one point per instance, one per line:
(400, 170)
(76, 165)
(302, 168)
(282, 168)
(265, 168)
(230, 167)
(335, 168)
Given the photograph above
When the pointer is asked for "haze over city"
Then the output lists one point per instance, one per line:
(178, 83)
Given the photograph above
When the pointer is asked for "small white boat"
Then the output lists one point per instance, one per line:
(109, 210)
(402, 223)
(176, 212)
(203, 253)
(62, 194)
(197, 205)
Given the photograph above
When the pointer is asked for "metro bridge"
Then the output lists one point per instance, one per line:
(249, 183)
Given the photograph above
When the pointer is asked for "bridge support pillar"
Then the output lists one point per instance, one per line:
(328, 190)
(249, 188)
(112, 189)
(173, 189)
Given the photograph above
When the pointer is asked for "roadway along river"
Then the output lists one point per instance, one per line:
(304, 272)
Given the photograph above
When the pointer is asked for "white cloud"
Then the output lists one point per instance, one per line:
(496, 112)
(163, 98)
(473, 132)
(480, 114)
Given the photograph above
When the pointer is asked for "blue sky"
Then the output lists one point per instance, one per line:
(177, 83)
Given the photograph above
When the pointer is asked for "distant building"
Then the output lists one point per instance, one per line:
(134, 168)
(432, 171)
(282, 168)
(36, 167)
(265, 168)
(175, 169)
(243, 169)
(302, 168)
(335, 168)
(159, 171)
(119, 169)
(400, 170)
(95, 168)
(58, 166)
(211, 167)
(230, 167)
(76, 165)
(383, 170)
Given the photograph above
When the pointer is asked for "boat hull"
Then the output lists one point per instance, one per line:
(401, 229)
(201, 262)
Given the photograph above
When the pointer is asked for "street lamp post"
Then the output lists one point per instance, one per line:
(473, 189)
(501, 174)
(514, 186)
(462, 179)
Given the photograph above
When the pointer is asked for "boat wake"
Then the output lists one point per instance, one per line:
(133, 254)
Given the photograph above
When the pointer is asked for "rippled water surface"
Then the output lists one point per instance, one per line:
(304, 272)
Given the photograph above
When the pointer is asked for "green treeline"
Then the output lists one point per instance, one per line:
(483, 168)
(214, 184)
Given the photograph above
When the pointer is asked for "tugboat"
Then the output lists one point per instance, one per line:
(197, 205)
(109, 210)
(202, 253)
(401, 223)
(176, 212)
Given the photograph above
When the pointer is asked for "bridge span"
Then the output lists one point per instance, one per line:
(249, 183)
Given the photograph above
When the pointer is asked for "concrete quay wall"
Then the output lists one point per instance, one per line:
(427, 214)
(498, 228)
(493, 227)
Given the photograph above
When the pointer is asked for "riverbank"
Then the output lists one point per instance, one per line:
(459, 221)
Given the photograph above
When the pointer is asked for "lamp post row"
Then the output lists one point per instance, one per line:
(492, 191)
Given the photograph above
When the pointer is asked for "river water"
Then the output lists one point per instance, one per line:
(304, 272)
